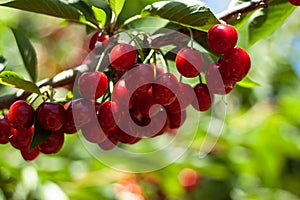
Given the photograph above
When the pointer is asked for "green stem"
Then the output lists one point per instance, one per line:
(192, 38)
(128, 21)
(200, 78)
(149, 56)
(163, 60)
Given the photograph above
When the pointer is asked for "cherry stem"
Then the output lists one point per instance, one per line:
(200, 78)
(192, 37)
(149, 56)
(163, 60)
(180, 78)
(128, 21)
(138, 47)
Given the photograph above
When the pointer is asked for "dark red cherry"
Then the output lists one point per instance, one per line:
(21, 115)
(109, 143)
(222, 38)
(53, 144)
(21, 139)
(123, 56)
(4, 131)
(120, 93)
(92, 85)
(98, 37)
(108, 115)
(176, 119)
(51, 116)
(146, 104)
(30, 155)
(189, 62)
(93, 133)
(204, 99)
(83, 111)
(295, 2)
(69, 125)
(165, 89)
(122, 136)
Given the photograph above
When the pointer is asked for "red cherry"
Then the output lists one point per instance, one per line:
(30, 155)
(204, 99)
(21, 139)
(157, 126)
(123, 56)
(109, 143)
(120, 93)
(4, 131)
(92, 85)
(184, 98)
(51, 116)
(122, 136)
(98, 37)
(215, 82)
(189, 62)
(93, 133)
(108, 115)
(165, 89)
(222, 38)
(83, 111)
(21, 115)
(176, 119)
(53, 144)
(235, 64)
(295, 2)
(69, 125)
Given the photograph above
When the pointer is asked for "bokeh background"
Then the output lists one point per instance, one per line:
(257, 156)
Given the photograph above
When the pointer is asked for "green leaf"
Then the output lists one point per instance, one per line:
(54, 8)
(103, 5)
(193, 14)
(86, 10)
(15, 80)
(27, 52)
(40, 135)
(3, 63)
(269, 19)
(100, 15)
(248, 83)
(117, 6)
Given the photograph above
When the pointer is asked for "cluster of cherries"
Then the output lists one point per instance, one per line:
(295, 2)
(144, 102)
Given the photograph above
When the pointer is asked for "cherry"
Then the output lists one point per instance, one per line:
(69, 125)
(165, 89)
(204, 99)
(93, 133)
(157, 126)
(21, 139)
(108, 144)
(122, 136)
(108, 115)
(98, 37)
(92, 85)
(176, 119)
(21, 115)
(51, 116)
(146, 104)
(184, 98)
(189, 62)
(189, 178)
(123, 56)
(222, 38)
(295, 2)
(53, 144)
(83, 112)
(4, 131)
(30, 155)
(120, 93)
(235, 64)
(215, 82)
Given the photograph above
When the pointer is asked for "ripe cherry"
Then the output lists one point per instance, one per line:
(165, 89)
(53, 144)
(50, 116)
(4, 131)
(21, 115)
(69, 125)
(98, 37)
(108, 144)
(120, 93)
(108, 115)
(123, 56)
(189, 62)
(92, 85)
(295, 2)
(93, 133)
(21, 139)
(83, 111)
(176, 119)
(122, 136)
(222, 38)
(204, 99)
(235, 64)
(146, 105)
(30, 155)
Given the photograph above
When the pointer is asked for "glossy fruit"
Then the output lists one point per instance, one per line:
(176, 119)
(165, 89)
(204, 99)
(123, 56)
(21, 115)
(53, 144)
(146, 105)
(4, 131)
(120, 93)
(235, 64)
(189, 63)
(122, 136)
(92, 132)
(69, 125)
(108, 144)
(21, 139)
(222, 38)
(83, 111)
(92, 85)
(108, 115)
(98, 37)
(30, 155)
(295, 2)
(50, 116)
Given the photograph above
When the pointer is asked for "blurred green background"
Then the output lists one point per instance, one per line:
(257, 156)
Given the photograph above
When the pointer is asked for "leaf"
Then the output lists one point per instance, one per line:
(86, 10)
(100, 15)
(54, 8)
(3, 63)
(103, 5)
(248, 83)
(193, 14)
(117, 6)
(15, 80)
(27, 52)
(269, 19)
(40, 135)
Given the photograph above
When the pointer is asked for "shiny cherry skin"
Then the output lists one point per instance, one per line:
(295, 2)
(93, 133)
(122, 136)
(4, 131)
(165, 89)
(21, 139)
(146, 105)
(83, 111)
(235, 64)
(108, 115)
(176, 119)
(21, 115)
(204, 99)
(69, 125)
(120, 93)
(189, 62)
(30, 155)
(92, 85)
(109, 143)
(50, 116)
(222, 38)
(53, 144)
(98, 37)
(123, 56)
